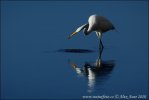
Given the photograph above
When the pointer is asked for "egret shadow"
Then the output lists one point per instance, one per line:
(70, 51)
(75, 50)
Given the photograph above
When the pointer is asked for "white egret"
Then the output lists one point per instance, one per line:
(98, 24)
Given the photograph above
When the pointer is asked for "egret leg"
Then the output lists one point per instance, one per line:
(101, 44)
(100, 53)
(99, 35)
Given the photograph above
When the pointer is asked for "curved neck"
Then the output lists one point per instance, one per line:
(86, 31)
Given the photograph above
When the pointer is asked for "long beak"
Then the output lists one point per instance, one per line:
(74, 33)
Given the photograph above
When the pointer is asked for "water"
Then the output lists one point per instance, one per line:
(38, 61)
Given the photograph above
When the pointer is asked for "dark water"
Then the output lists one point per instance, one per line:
(38, 61)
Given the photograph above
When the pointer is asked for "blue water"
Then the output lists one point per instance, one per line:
(38, 61)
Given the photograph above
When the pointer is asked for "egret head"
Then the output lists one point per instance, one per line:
(83, 27)
(85, 30)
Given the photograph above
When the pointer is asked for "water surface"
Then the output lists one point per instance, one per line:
(38, 61)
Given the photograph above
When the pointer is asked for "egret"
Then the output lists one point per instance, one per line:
(98, 24)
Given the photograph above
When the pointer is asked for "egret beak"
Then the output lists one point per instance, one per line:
(74, 33)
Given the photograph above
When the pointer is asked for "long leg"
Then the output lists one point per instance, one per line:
(99, 35)
(100, 53)
(101, 44)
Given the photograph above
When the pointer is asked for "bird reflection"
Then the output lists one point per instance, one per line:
(98, 71)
